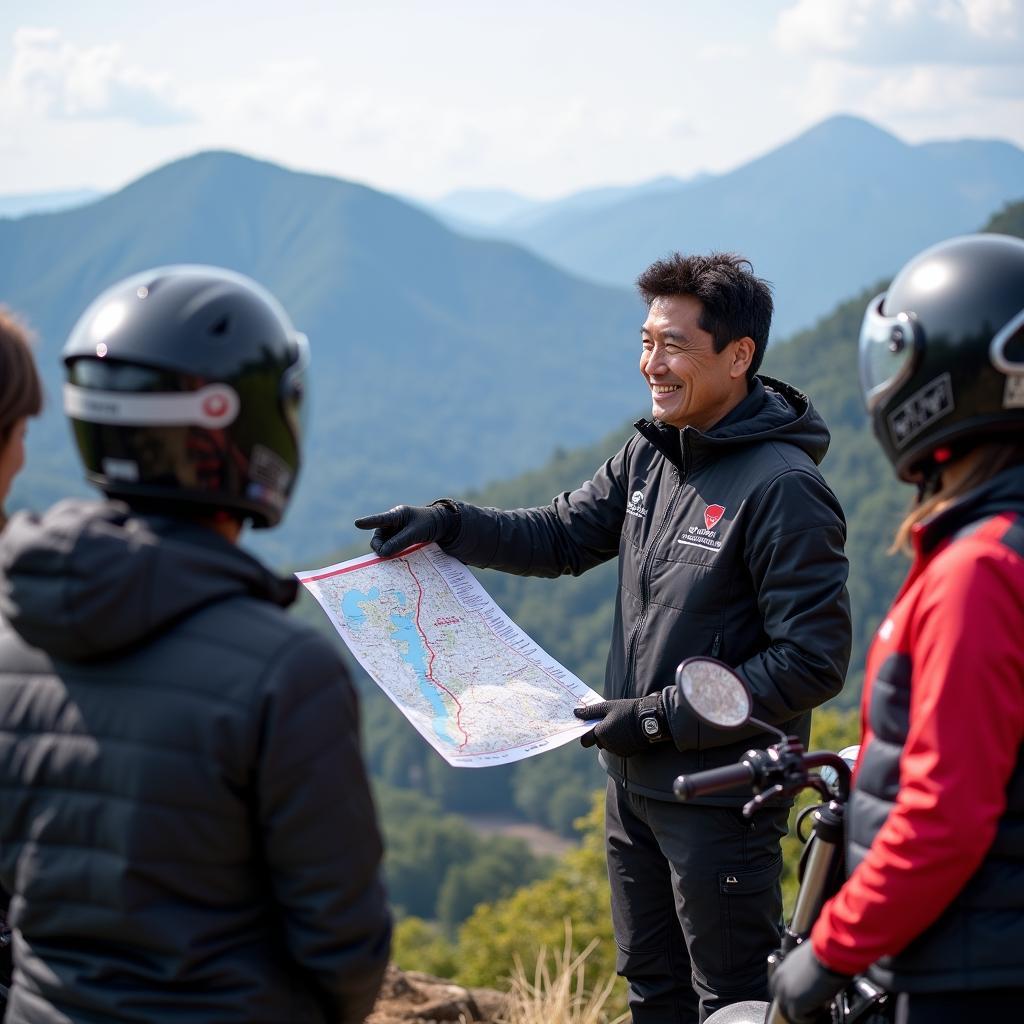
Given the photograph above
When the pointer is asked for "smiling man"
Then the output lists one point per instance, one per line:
(730, 544)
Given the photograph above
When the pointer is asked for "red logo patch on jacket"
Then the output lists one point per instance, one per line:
(712, 514)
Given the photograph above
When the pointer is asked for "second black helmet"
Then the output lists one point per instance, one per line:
(942, 351)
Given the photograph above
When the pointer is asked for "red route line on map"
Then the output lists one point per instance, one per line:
(372, 560)
(430, 663)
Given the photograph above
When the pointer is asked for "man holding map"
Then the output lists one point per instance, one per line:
(730, 544)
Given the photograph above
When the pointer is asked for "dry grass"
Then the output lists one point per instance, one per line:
(558, 994)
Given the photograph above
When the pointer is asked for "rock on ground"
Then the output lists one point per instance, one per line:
(408, 996)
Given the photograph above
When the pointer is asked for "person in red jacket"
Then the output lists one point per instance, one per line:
(933, 908)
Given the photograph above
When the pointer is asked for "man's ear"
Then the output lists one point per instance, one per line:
(742, 356)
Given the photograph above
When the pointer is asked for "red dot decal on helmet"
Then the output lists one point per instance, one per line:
(215, 405)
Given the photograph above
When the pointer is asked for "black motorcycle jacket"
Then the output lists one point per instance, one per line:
(186, 828)
(730, 544)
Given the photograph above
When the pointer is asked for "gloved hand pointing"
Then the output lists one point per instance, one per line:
(627, 726)
(398, 528)
(803, 985)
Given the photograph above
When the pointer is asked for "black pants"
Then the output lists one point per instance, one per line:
(993, 1005)
(696, 903)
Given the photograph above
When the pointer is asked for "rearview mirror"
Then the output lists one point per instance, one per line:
(715, 692)
(718, 695)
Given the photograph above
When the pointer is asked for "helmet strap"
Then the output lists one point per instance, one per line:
(930, 481)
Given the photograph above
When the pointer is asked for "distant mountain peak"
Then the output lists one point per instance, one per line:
(842, 130)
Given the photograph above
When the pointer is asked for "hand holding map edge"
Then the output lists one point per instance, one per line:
(619, 727)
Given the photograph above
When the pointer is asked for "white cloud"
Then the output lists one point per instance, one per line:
(52, 78)
(923, 68)
(292, 92)
(919, 103)
(895, 32)
(420, 144)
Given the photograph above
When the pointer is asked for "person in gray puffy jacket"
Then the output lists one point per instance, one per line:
(186, 828)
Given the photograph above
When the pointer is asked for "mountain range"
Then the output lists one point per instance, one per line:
(826, 213)
(439, 361)
(443, 361)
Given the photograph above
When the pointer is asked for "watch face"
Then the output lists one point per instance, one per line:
(650, 726)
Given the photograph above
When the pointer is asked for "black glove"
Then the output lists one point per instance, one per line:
(627, 726)
(404, 525)
(803, 985)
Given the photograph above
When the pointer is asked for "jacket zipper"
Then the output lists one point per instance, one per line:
(716, 643)
(645, 583)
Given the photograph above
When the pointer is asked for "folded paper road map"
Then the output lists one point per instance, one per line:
(473, 684)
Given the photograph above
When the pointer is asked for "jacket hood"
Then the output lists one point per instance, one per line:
(87, 579)
(772, 411)
(1003, 492)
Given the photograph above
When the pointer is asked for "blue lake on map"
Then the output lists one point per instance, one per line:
(415, 654)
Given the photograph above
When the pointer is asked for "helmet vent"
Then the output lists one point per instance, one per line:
(220, 328)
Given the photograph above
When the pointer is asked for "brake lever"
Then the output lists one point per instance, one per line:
(758, 801)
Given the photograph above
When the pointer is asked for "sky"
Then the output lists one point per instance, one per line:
(542, 97)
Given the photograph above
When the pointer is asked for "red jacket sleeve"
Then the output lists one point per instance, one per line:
(966, 641)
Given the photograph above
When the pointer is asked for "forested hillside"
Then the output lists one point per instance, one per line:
(1009, 220)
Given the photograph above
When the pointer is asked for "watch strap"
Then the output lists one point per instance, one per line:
(652, 718)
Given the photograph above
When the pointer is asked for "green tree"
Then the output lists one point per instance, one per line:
(555, 789)
(420, 945)
(494, 874)
(1009, 220)
(437, 867)
(535, 916)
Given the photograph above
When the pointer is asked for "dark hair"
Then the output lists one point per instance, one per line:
(21, 393)
(736, 303)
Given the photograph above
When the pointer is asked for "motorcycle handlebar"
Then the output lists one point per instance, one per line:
(686, 787)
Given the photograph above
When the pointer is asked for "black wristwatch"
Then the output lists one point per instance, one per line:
(652, 718)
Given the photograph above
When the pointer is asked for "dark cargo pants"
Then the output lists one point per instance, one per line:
(696, 903)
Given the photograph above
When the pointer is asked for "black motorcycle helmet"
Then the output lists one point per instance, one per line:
(184, 389)
(942, 352)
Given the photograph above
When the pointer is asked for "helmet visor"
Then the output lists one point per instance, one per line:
(889, 350)
(293, 385)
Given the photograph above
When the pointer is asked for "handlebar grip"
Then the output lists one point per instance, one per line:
(686, 787)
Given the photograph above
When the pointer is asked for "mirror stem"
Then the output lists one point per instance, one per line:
(767, 728)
